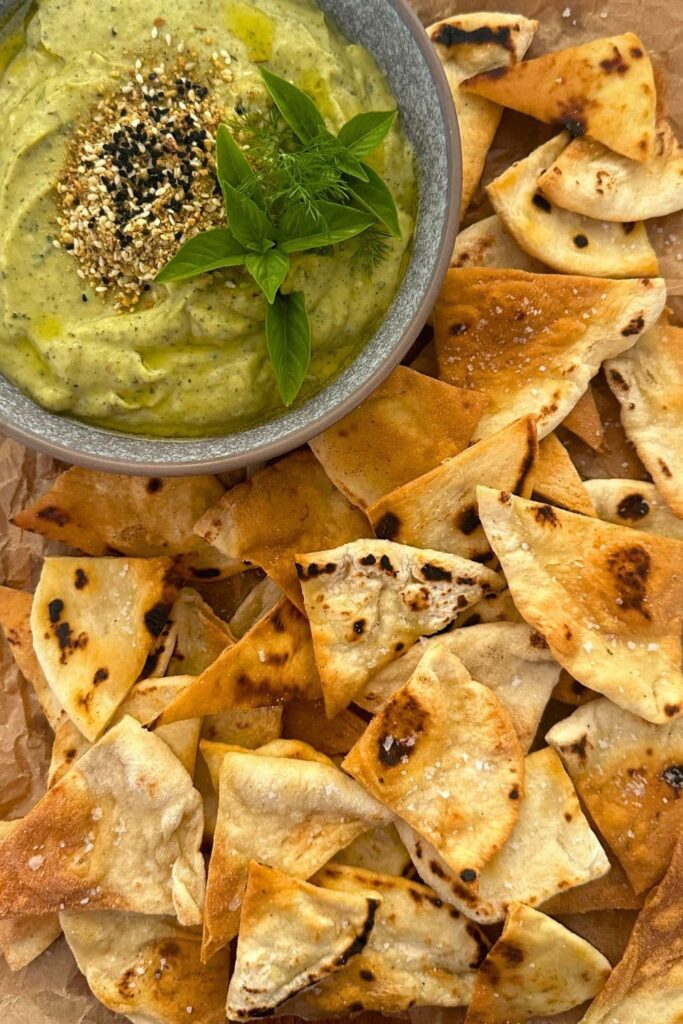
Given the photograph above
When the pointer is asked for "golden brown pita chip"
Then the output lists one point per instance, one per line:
(531, 342)
(590, 179)
(571, 691)
(307, 721)
(488, 244)
(468, 44)
(634, 503)
(147, 968)
(200, 634)
(565, 241)
(612, 891)
(536, 967)
(15, 620)
(492, 608)
(584, 421)
(293, 935)
(380, 849)
(607, 930)
(556, 480)
(605, 89)
(289, 506)
(369, 600)
(439, 510)
(443, 754)
(244, 727)
(264, 596)
(551, 849)
(213, 753)
(23, 939)
(376, 448)
(68, 745)
(648, 382)
(608, 601)
(120, 831)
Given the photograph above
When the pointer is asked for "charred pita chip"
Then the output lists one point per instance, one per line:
(592, 180)
(69, 744)
(94, 621)
(147, 968)
(509, 658)
(264, 596)
(307, 721)
(584, 421)
(488, 244)
(571, 691)
(293, 936)
(634, 503)
(200, 634)
(291, 814)
(648, 382)
(379, 850)
(376, 449)
(143, 517)
(23, 939)
(556, 480)
(368, 601)
(439, 510)
(287, 507)
(551, 849)
(466, 45)
(15, 620)
(608, 601)
(565, 241)
(443, 754)
(629, 775)
(244, 727)
(536, 967)
(531, 342)
(605, 89)
(491, 608)
(120, 831)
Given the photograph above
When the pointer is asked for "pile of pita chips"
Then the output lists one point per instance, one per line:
(634, 503)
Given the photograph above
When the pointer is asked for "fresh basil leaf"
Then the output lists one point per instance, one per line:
(350, 165)
(209, 250)
(269, 269)
(231, 164)
(288, 337)
(375, 195)
(298, 109)
(247, 221)
(301, 220)
(341, 222)
(365, 132)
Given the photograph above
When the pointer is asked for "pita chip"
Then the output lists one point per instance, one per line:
(120, 831)
(68, 745)
(556, 480)
(592, 180)
(307, 721)
(244, 727)
(292, 814)
(23, 939)
(566, 241)
(443, 754)
(612, 891)
(488, 244)
(468, 44)
(213, 753)
(271, 664)
(629, 775)
(608, 601)
(368, 601)
(289, 506)
(570, 691)
(260, 599)
(531, 342)
(634, 503)
(648, 382)
(508, 657)
(604, 89)
(584, 421)
(376, 448)
(293, 935)
(550, 850)
(147, 968)
(439, 510)
(15, 620)
(536, 967)
(200, 634)
(491, 608)
(380, 849)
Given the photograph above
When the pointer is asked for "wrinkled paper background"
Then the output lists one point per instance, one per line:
(51, 990)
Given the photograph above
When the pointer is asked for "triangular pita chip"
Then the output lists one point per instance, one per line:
(443, 754)
(608, 601)
(143, 517)
(565, 241)
(147, 700)
(425, 360)
(94, 621)
(258, 601)
(556, 480)
(120, 831)
(214, 752)
(531, 342)
(551, 849)
(616, 457)
(15, 620)
(488, 244)
(648, 382)
(468, 44)
(271, 664)
(584, 421)
(159, 658)
(369, 600)
(612, 891)
(634, 503)
(439, 510)
(147, 968)
(244, 727)
(605, 89)
(590, 179)
(571, 691)
(23, 939)
(376, 448)
(307, 721)
(380, 849)
(536, 967)
(508, 657)
(200, 634)
(289, 506)
(629, 774)
(69, 744)
(492, 608)
(292, 936)
(290, 814)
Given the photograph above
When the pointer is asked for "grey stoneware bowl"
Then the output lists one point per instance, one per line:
(391, 31)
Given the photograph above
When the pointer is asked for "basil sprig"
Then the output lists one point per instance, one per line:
(267, 224)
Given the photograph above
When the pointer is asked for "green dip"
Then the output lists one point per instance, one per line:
(189, 358)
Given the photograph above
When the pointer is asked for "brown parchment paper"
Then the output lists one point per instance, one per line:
(51, 990)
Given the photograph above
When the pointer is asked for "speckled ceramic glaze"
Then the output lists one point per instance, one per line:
(392, 32)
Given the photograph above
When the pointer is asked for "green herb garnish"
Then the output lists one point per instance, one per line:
(289, 185)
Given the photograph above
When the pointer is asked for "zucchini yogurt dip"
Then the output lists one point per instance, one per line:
(110, 117)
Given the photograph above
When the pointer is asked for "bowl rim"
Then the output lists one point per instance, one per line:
(293, 439)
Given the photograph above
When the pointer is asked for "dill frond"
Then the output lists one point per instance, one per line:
(371, 249)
